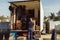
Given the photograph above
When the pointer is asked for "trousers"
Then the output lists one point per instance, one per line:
(6, 35)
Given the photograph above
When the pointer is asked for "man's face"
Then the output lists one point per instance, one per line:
(18, 24)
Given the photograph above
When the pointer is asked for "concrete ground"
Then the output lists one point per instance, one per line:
(48, 37)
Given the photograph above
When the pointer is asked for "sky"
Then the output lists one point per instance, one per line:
(50, 6)
(4, 7)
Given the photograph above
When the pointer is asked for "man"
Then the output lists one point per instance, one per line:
(54, 36)
(4, 30)
(18, 25)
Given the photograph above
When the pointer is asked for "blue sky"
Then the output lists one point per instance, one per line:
(4, 7)
(50, 6)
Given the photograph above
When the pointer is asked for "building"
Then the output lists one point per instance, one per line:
(4, 19)
(54, 25)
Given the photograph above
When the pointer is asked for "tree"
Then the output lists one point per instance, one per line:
(58, 13)
(45, 17)
(52, 16)
(2, 18)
